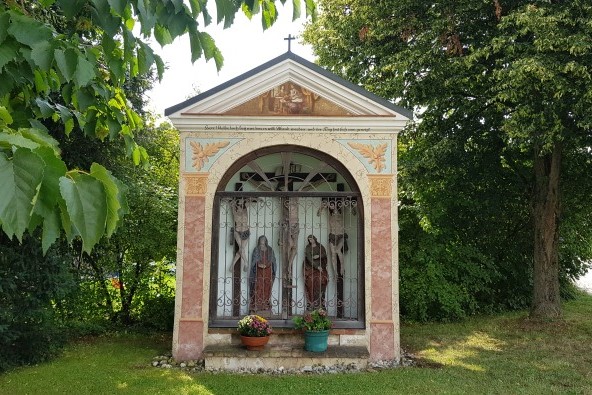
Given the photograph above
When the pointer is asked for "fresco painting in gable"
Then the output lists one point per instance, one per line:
(289, 99)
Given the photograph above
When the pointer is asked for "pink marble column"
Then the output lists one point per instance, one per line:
(191, 325)
(382, 331)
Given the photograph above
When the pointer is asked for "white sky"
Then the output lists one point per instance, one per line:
(244, 46)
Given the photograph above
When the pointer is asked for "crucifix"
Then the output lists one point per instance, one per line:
(289, 39)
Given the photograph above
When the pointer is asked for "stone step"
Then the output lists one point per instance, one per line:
(235, 357)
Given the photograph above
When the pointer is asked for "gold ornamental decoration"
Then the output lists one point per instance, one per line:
(375, 155)
(381, 186)
(196, 185)
(201, 154)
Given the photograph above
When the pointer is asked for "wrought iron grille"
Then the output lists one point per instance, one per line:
(292, 284)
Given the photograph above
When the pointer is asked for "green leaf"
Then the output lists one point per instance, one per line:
(66, 222)
(42, 54)
(162, 35)
(46, 108)
(208, 45)
(136, 155)
(49, 190)
(247, 11)
(146, 17)
(84, 99)
(66, 61)
(85, 72)
(195, 8)
(296, 9)
(20, 178)
(9, 140)
(145, 58)
(159, 66)
(5, 116)
(27, 30)
(51, 230)
(204, 10)
(4, 23)
(8, 52)
(311, 9)
(269, 14)
(41, 84)
(195, 45)
(112, 192)
(86, 204)
(101, 13)
(71, 8)
(219, 59)
(42, 137)
(65, 113)
(118, 6)
(226, 10)
(180, 24)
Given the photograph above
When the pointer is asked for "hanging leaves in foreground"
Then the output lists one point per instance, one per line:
(63, 66)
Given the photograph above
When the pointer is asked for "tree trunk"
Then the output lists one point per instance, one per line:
(546, 302)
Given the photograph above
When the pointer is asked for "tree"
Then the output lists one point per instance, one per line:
(503, 86)
(63, 64)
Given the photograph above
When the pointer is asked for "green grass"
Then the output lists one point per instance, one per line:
(505, 354)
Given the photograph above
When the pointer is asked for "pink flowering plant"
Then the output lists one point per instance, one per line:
(254, 326)
(316, 320)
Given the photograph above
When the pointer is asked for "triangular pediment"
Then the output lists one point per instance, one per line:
(288, 86)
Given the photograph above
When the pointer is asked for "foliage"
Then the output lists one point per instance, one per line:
(316, 320)
(29, 281)
(64, 65)
(134, 269)
(500, 148)
(157, 312)
(254, 326)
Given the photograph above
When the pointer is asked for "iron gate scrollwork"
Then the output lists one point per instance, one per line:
(286, 240)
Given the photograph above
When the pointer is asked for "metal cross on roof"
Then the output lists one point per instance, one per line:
(289, 39)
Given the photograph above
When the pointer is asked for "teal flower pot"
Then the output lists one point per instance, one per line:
(316, 341)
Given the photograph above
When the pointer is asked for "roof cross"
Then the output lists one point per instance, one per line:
(289, 39)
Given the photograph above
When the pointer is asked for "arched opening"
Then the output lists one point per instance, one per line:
(264, 261)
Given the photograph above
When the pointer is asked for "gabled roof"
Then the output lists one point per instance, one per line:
(288, 68)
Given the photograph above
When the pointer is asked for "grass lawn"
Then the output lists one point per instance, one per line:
(506, 354)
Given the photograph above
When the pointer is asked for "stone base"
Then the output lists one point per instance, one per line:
(236, 357)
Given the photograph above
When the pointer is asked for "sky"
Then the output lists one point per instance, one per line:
(244, 46)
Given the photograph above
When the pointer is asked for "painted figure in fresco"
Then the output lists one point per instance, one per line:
(292, 102)
(261, 277)
(337, 236)
(241, 231)
(315, 273)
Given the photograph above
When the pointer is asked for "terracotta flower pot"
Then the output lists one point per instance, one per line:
(254, 343)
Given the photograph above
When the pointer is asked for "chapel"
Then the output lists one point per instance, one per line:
(283, 159)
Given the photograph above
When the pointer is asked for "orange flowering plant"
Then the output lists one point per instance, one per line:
(254, 326)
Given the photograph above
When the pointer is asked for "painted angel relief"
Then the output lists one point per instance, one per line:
(288, 99)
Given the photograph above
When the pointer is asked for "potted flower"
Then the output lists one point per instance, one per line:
(254, 331)
(316, 325)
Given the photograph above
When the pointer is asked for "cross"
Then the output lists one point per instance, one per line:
(289, 39)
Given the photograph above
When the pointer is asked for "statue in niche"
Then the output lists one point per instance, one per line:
(241, 231)
(289, 231)
(261, 277)
(316, 277)
(337, 236)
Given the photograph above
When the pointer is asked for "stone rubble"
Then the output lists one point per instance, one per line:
(168, 362)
